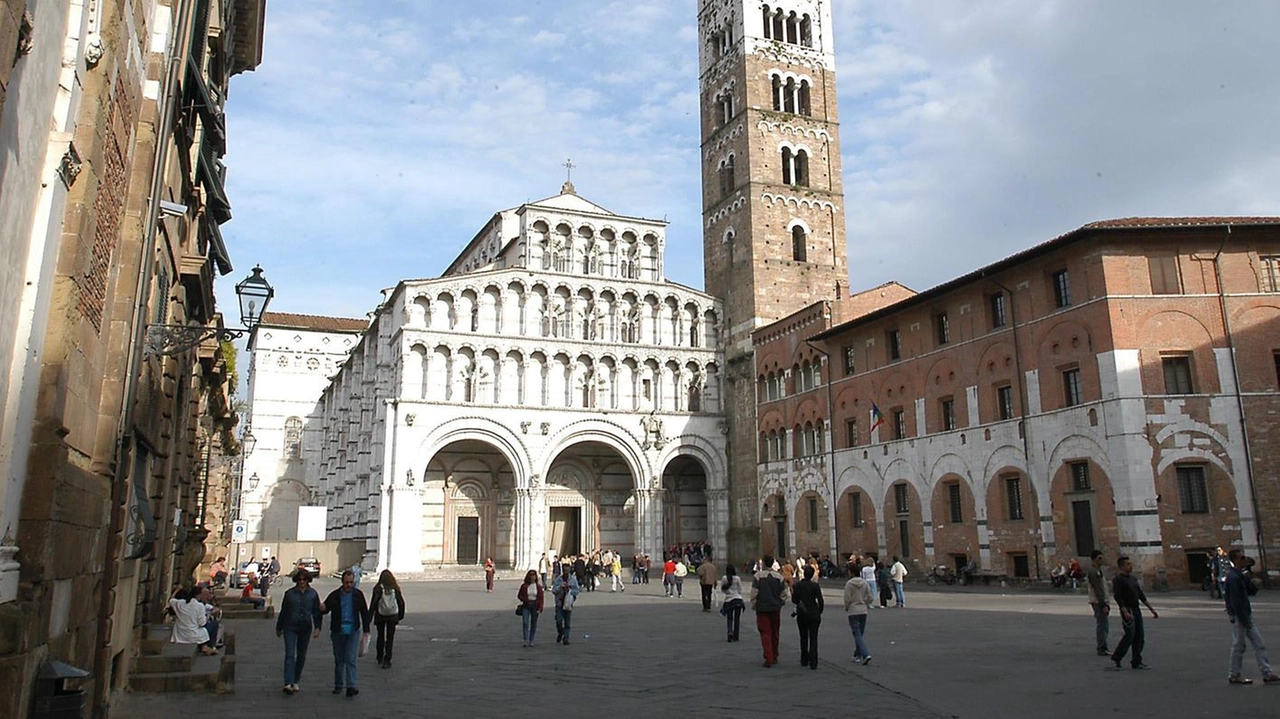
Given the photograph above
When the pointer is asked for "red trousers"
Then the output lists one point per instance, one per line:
(769, 623)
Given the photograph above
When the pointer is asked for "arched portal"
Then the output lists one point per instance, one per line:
(684, 511)
(479, 513)
(589, 501)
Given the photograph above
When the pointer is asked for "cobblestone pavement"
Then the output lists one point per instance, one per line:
(953, 652)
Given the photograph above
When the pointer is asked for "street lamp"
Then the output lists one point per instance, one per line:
(170, 340)
(248, 441)
(253, 481)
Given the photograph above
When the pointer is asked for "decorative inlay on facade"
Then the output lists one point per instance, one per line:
(798, 202)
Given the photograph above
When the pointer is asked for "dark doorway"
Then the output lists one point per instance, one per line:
(563, 527)
(780, 526)
(1198, 565)
(468, 540)
(960, 561)
(1082, 522)
(1021, 567)
(904, 536)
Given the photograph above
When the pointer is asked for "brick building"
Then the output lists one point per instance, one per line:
(1113, 388)
(111, 194)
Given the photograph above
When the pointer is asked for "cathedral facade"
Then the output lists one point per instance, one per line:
(551, 391)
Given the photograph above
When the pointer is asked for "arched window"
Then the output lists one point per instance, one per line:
(806, 31)
(777, 92)
(802, 168)
(727, 181)
(789, 96)
(293, 438)
(804, 104)
(779, 33)
(799, 244)
(788, 166)
(767, 17)
(724, 102)
(793, 29)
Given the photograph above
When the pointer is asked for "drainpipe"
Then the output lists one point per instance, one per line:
(1244, 428)
(180, 28)
(1022, 398)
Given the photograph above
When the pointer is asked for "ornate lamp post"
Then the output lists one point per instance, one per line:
(169, 340)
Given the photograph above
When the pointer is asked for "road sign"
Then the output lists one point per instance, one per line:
(239, 531)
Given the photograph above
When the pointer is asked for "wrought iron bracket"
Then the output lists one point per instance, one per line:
(170, 340)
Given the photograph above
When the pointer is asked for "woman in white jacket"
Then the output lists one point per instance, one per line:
(190, 616)
(733, 605)
(857, 598)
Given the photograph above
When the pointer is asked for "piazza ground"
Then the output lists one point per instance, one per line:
(952, 653)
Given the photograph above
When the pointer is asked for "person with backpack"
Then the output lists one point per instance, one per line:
(388, 610)
(807, 596)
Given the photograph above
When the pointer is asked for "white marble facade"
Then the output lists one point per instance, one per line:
(550, 391)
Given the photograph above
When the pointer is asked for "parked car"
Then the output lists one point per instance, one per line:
(241, 576)
(311, 564)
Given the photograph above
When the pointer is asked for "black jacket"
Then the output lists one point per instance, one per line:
(333, 605)
(807, 596)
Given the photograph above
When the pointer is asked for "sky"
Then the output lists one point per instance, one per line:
(378, 136)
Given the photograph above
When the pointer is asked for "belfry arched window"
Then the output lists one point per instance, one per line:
(293, 438)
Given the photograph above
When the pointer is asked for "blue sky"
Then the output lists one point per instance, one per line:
(377, 136)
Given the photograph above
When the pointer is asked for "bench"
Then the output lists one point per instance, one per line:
(987, 576)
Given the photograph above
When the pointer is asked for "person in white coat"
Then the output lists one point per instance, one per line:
(190, 616)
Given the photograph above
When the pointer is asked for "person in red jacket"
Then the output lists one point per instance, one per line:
(531, 598)
(669, 576)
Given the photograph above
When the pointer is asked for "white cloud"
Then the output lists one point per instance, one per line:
(376, 138)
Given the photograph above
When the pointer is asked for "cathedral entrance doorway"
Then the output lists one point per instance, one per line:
(684, 512)
(564, 530)
(592, 479)
(468, 540)
(479, 504)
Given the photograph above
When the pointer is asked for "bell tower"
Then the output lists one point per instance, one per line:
(772, 196)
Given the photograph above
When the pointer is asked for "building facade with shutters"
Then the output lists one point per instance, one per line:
(1115, 388)
(111, 197)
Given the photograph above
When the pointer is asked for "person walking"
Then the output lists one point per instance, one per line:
(350, 621)
(681, 571)
(731, 586)
(669, 576)
(544, 566)
(807, 596)
(531, 599)
(868, 574)
(897, 573)
(298, 623)
(768, 596)
(388, 611)
(858, 600)
(1236, 592)
(564, 590)
(1099, 601)
(707, 578)
(490, 571)
(615, 574)
(1128, 594)
(644, 569)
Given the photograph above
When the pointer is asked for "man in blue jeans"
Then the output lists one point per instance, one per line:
(1128, 594)
(1236, 591)
(351, 619)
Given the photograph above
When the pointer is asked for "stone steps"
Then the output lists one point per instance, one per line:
(163, 666)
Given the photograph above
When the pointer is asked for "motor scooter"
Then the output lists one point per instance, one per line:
(941, 573)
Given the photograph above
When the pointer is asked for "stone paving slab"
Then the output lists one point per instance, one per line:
(950, 653)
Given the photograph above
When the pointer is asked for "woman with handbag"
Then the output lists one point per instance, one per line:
(388, 611)
(347, 629)
(531, 598)
(298, 622)
(565, 590)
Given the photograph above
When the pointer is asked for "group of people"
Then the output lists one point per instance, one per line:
(591, 569)
(301, 618)
(1125, 591)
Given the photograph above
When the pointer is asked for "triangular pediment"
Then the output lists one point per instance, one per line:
(572, 203)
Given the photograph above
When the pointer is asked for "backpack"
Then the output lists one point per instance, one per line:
(388, 605)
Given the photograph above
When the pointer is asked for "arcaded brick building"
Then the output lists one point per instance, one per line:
(1113, 388)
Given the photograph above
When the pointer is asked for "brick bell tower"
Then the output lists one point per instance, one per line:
(773, 197)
